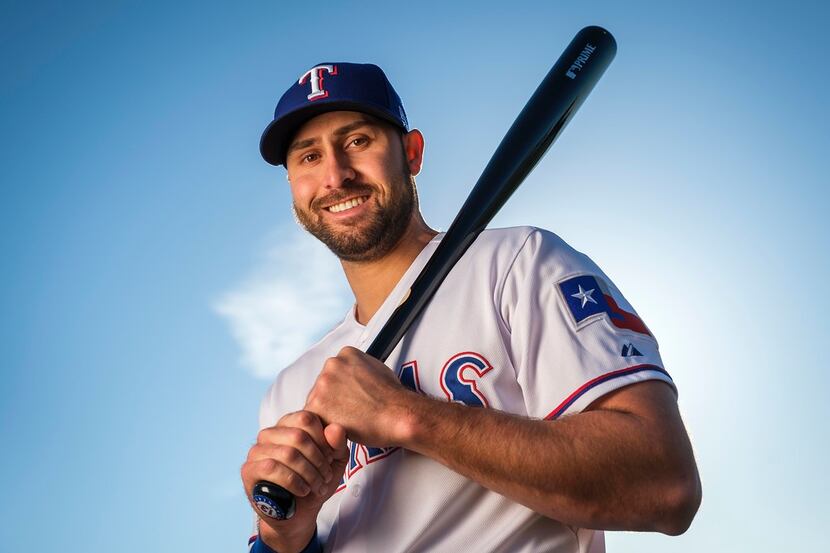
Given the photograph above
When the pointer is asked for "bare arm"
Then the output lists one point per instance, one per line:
(626, 463)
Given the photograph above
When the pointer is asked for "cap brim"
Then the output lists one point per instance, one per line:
(276, 136)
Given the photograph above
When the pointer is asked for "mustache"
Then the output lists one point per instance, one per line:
(349, 191)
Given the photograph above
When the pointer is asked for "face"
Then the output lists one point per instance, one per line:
(351, 184)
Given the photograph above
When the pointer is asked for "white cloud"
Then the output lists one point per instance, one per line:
(295, 294)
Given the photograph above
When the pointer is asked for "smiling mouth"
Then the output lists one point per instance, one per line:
(348, 204)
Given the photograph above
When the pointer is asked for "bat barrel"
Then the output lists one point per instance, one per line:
(551, 107)
(553, 104)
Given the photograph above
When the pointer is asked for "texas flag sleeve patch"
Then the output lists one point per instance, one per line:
(588, 298)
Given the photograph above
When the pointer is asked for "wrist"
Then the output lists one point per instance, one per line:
(410, 422)
(259, 546)
(270, 541)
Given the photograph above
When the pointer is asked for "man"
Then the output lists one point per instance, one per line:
(526, 409)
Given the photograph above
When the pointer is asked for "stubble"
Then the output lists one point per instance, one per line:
(370, 237)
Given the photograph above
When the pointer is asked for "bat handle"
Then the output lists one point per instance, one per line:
(273, 501)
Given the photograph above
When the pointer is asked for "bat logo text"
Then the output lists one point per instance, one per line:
(579, 62)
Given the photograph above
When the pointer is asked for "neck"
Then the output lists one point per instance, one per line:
(372, 281)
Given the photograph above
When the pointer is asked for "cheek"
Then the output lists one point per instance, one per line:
(381, 170)
(301, 192)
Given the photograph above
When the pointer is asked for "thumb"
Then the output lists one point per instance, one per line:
(336, 437)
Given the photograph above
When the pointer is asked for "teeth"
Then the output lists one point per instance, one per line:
(348, 204)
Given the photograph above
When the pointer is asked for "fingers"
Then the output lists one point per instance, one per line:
(288, 463)
(280, 474)
(294, 454)
(309, 422)
(317, 453)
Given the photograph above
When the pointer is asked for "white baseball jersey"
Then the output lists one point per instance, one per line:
(524, 324)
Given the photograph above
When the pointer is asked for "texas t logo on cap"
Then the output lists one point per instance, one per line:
(330, 86)
(315, 75)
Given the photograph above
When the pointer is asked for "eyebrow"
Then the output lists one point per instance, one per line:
(345, 129)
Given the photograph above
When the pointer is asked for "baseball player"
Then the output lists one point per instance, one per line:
(527, 409)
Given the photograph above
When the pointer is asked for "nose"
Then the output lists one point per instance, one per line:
(338, 170)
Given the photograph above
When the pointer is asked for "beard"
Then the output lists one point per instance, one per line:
(371, 237)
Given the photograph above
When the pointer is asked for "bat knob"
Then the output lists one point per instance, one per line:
(273, 501)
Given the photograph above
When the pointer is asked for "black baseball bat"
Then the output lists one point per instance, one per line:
(551, 107)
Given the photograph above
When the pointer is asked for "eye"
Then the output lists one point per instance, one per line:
(309, 157)
(358, 141)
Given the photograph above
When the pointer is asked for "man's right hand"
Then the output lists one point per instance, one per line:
(306, 459)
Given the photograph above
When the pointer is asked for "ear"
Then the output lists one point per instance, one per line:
(413, 145)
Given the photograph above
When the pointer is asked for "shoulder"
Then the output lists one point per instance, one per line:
(515, 238)
(504, 239)
(529, 245)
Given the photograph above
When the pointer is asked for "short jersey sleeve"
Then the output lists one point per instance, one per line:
(573, 337)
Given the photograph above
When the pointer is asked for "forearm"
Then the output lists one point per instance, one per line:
(599, 469)
(625, 463)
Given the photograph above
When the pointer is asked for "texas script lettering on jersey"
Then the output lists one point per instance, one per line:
(458, 382)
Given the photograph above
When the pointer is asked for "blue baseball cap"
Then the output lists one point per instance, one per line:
(326, 87)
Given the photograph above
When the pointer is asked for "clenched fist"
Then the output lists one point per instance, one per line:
(306, 458)
(364, 396)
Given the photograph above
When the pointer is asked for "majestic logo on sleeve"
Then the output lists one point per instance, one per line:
(316, 75)
(628, 350)
(589, 298)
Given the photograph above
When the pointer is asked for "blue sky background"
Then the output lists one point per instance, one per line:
(152, 279)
